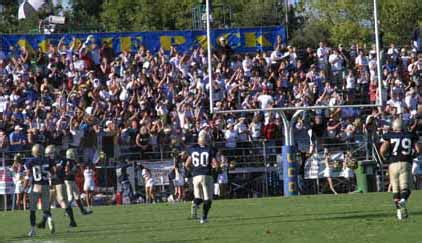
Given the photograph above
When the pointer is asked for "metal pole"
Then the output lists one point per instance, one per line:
(5, 194)
(377, 46)
(292, 122)
(286, 128)
(295, 108)
(209, 55)
(266, 167)
(287, 19)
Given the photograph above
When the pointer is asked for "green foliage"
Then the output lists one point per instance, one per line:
(399, 19)
(9, 22)
(351, 21)
(310, 35)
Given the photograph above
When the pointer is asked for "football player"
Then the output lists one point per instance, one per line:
(397, 149)
(57, 184)
(39, 169)
(201, 162)
(70, 169)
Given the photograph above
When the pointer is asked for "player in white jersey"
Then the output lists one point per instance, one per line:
(89, 184)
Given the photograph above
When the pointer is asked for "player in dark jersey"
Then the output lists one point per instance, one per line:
(58, 188)
(201, 162)
(397, 149)
(70, 168)
(39, 169)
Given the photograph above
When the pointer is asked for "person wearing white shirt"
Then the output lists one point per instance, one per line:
(231, 136)
(396, 102)
(350, 82)
(411, 100)
(242, 130)
(276, 56)
(336, 61)
(372, 64)
(361, 60)
(265, 99)
(322, 54)
(247, 66)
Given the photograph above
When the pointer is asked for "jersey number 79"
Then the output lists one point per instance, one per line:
(405, 144)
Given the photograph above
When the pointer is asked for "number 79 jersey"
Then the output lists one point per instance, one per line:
(401, 145)
(201, 159)
(39, 169)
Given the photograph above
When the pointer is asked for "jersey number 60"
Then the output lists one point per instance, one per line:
(200, 159)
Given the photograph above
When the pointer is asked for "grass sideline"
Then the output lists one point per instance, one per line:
(323, 218)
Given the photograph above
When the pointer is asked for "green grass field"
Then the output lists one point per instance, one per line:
(325, 218)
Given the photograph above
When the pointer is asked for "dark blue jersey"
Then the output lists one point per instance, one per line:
(59, 175)
(39, 169)
(401, 146)
(72, 169)
(201, 159)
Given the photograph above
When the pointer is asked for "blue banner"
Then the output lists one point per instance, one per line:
(241, 40)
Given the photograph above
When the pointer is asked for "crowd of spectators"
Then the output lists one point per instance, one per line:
(70, 94)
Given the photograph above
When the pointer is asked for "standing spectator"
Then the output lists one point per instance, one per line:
(329, 166)
(231, 137)
(142, 141)
(18, 179)
(322, 54)
(89, 184)
(4, 140)
(179, 179)
(149, 184)
(17, 139)
(221, 187)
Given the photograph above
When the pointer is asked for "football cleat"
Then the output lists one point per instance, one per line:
(86, 212)
(404, 213)
(194, 212)
(31, 232)
(399, 214)
(403, 209)
(41, 225)
(73, 224)
(203, 221)
(51, 226)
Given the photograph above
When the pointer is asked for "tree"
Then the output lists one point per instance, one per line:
(351, 21)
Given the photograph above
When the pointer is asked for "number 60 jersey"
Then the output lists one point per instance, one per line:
(39, 169)
(401, 146)
(202, 157)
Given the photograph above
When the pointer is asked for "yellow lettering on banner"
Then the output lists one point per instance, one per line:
(292, 187)
(25, 43)
(227, 37)
(252, 40)
(202, 40)
(125, 43)
(290, 158)
(107, 41)
(43, 45)
(168, 41)
(291, 172)
(262, 41)
(77, 43)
